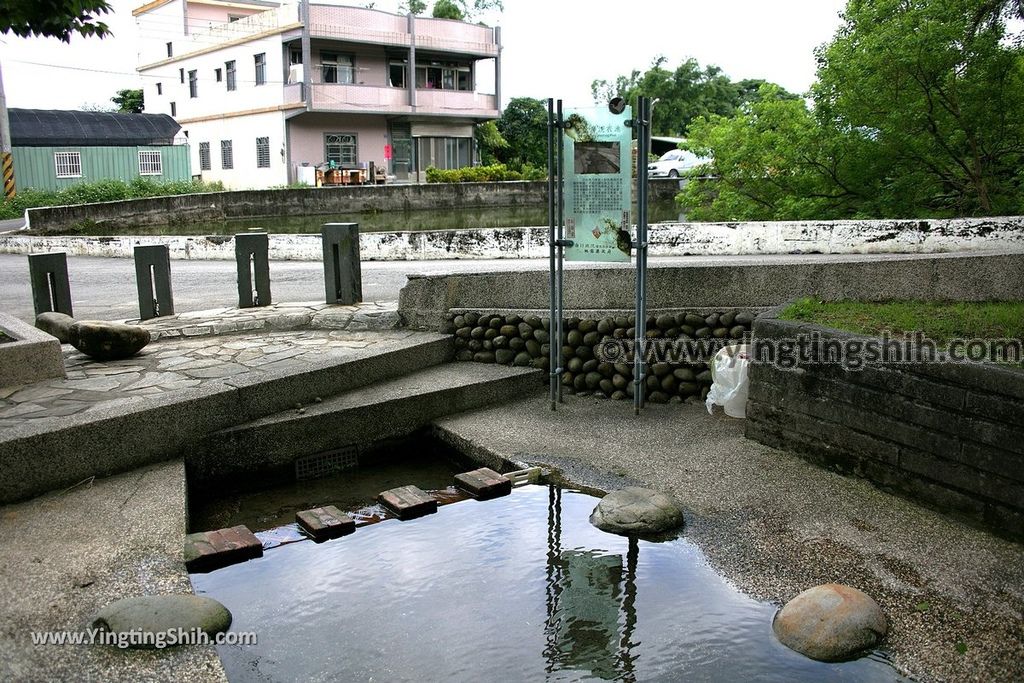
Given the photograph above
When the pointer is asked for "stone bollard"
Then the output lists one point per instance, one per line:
(153, 278)
(342, 278)
(51, 290)
(252, 254)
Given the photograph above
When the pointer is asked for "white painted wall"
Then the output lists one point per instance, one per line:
(242, 131)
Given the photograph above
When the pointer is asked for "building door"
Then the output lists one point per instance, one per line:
(401, 150)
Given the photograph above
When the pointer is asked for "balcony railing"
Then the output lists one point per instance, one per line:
(369, 98)
(456, 102)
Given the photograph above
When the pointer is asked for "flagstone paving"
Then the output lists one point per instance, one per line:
(180, 362)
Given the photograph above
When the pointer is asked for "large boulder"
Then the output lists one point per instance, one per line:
(151, 617)
(830, 623)
(107, 341)
(637, 511)
(56, 324)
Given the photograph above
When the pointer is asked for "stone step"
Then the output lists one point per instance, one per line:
(408, 502)
(209, 550)
(484, 483)
(385, 410)
(325, 523)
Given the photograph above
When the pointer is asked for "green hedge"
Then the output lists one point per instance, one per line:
(102, 191)
(483, 174)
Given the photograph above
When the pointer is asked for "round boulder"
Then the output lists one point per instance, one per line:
(161, 614)
(635, 510)
(107, 341)
(830, 623)
(56, 324)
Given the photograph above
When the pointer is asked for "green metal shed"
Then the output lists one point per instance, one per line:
(53, 149)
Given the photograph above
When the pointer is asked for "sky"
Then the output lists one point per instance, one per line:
(551, 49)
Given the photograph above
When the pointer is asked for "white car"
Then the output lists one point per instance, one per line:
(672, 164)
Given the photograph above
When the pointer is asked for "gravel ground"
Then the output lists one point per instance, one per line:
(774, 524)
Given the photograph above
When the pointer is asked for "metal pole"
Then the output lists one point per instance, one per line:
(561, 237)
(553, 342)
(643, 123)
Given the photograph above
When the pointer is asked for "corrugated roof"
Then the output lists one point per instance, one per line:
(58, 128)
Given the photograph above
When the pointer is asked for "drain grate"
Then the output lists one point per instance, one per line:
(326, 463)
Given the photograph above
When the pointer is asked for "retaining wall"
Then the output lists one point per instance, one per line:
(219, 206)
(426, 299)
(948, 434)
(666, 239)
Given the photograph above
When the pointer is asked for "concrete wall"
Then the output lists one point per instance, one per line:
(306, 133)
(949, 434)
(426, 299)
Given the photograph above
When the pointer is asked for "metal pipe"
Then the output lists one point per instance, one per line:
(643, 115)
(554, 377)
(561, 236)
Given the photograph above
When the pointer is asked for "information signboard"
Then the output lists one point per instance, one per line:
(598, 182)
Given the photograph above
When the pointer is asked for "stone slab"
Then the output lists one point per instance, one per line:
(484, 483)
(209, 550)
(408, 502)
(33, 356)
(325, 523)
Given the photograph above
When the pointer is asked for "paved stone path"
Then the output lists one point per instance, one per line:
(182, 362)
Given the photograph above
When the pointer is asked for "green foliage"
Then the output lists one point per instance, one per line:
(917, 114)
(102, 191)
(483, 174)
(54, 18)
(524, 125)
(938, 321)
(447, 9)
(684, 94)
(129, 101)
(413, 7)
(489, 141)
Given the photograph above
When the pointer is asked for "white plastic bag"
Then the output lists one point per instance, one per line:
(730, 384)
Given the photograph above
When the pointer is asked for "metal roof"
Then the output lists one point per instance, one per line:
(58, 128)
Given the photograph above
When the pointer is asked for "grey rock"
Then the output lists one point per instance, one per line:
(522, 360)
(160, 614)
(56, 324)
(635, 510)
(504, 356)
(517, 343)
(483, 357)
(107, 341)
(745, 318)
(830, 623)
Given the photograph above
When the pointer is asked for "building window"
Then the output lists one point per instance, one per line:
(218, 75)
(193, 84)
(396, 72)
(159, 88)
(170, 49)
(227, 159)
(443, 152)
(262, 152)
(229, 67)
(232, 18)
(261, 68)
(295, 56)
(69, 164)
(174, 109)
(335, 68)
(340, 148)
(204, 156)
(150, 163)
(444, 76)
(181, 75)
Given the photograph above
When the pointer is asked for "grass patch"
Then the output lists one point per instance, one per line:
(101, 191)
(938, 321)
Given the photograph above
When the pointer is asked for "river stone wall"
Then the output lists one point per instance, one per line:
(948, 434)
(219, 206)
(524, 340)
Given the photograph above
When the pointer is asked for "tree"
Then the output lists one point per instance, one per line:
(129, 101)
(447, 9)
(54, 18)
(490, 142)
(683, 95)
(465, 9)
(917, 113)
(413, 7)
(524, 126)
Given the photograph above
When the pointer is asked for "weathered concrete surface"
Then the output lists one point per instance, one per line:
(34, 355)
(776, 525)
(955, 277)
(66, 555)
(666, 239)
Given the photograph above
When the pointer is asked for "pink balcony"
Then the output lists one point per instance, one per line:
(359, 98)
(456, 102)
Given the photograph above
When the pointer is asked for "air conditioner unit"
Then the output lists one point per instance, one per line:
(295, 73)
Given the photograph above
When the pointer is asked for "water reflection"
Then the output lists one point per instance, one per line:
(591, 605)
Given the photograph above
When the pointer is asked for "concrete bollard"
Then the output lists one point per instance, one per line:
(343, 280)
(252, 254)
(51, 290)
(153, 278)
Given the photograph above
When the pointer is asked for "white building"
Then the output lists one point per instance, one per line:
(392, 90)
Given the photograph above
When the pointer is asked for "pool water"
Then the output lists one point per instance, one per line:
(521, 588)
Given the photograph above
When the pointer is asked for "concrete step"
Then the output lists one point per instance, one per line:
(383, 410)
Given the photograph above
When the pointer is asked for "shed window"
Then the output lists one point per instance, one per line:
(68, 164)
(204, 156)
(150, 162)
(227, 158)
(262, 152)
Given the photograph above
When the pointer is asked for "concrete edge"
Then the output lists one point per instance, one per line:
(33, 356)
